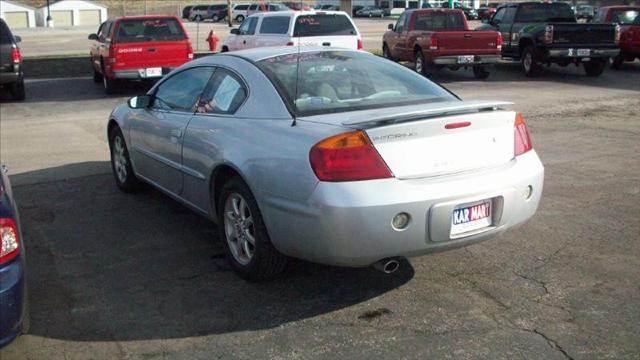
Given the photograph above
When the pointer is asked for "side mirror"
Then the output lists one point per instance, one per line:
(17, 38)
(235, 31)
(139, 102)
(93, 37)
(390, 27)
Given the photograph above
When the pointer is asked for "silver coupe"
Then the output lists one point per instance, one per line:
(334, 156)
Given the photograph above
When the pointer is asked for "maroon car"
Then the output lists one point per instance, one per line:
(486, 12)
(437, 38)
(628, 18)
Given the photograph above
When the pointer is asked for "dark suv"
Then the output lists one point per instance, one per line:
(11, 76)
(208, 12)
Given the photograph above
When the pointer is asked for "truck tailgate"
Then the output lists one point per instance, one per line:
(583, 34)
(467, 42)
(152, 54)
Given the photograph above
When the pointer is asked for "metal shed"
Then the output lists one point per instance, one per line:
(17, 15)
(67, 13)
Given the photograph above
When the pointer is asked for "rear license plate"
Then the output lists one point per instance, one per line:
(150, 72)
(469, 217)
(583, 52)
(466, 59)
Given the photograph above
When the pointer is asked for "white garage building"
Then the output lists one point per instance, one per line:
(17, 15)
(73, 13)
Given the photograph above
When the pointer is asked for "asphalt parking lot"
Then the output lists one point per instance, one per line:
(139, 276)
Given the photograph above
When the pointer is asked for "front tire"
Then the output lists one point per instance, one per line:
(530, 66)
(594, 68)
(480, 73)
(240, 19)
(126, 179)
(247, 245)
(386, 53)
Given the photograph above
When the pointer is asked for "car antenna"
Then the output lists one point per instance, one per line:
(295, 98)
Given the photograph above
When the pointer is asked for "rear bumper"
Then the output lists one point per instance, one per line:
(132, 74)
(573, 53)
(477, 60)
(349, 224)
(9, 77)
(12, 299)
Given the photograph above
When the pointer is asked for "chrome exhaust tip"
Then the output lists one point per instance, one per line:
(387, 266)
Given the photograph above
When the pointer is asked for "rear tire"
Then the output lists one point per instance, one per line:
(421, 65)
(253, 261)
(594, 68)
(617, 62)
(97, 76)
(110, 85)
(126, 179)
(480, 73)
(17, 90)
(530, 66)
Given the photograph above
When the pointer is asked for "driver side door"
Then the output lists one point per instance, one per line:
(157, 132)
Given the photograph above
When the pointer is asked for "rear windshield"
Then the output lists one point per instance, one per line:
(168, 29)
(439, 21)
(626, 17)
(339, 81)
(241, 7)
(5, 34)
(544, 12)
(323, 25)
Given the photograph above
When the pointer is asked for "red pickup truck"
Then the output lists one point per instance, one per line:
(628, 18)
(138, 47)
(436, 38)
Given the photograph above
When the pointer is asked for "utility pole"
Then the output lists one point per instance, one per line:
(49, 18)
(229, 14)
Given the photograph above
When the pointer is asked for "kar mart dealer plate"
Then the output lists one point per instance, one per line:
(470, 217)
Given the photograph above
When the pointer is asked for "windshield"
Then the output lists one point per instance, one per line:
(544, 12)
(323, 25)
(337, 81)
(149, 30)
(626, 17)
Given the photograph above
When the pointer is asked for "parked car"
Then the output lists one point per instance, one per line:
(584, 12)
(426, 5)
(186, 10)
(138, 47)
(486, 12)
(628, 20)
(545, 33)
(14, 313)
(329, 7)
(469, 12)
(355, 8)
(356, 161)
(293, 28)
(11, 73)
(370, 11)
(436, 38)
(214, 13)
(239, 12)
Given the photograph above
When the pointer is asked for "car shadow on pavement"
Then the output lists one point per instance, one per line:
(109, 266)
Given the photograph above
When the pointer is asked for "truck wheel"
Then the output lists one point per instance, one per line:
(17, 90)
(480, 72)
(215, 18)
(110, 85)
(594, 67)
(422, 67)
(224, 49)
(617, 62)
(530, 66)
(244, 235)
(386, 53)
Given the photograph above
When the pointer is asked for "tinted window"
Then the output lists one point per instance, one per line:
(5, 34)
(338, 81)
(248, 27)
(439, 21)
(241, 7)
(499, 15)
(200, 7)
(167, 29)
(509, 14)
(400, 23)
(105, 30)
(224, 95)
(544, 12)
(275, 25)
(625, 17)
(181, 91)
(323, 25)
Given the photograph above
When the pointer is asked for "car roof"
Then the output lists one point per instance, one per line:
(257, 54)
(144, 17)
(299, 13)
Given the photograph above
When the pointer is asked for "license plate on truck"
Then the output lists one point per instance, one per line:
(466, 59)
(470, 217)
(153, 72)
(583, 52)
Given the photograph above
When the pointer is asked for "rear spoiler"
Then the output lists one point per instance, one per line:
(436, 110)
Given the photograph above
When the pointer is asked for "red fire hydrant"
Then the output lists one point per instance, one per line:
(213, 40)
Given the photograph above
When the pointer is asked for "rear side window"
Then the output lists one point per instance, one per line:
(200, 7)
(543, 12)
(5, 34)
(625, 17)
(224, 96)
(167, 29)
(323, 25)
(275, 25)
(439, 21)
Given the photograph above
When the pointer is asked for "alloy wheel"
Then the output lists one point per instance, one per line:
(119, 159)
(239, 228)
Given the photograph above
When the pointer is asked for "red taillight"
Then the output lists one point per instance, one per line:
(360, 46)
(548, 34)
(189, 51)
(290, 43)
(499, 41)
(10, 240)
(15, 55)
(522, 140)
(347, 157)
(434, 43)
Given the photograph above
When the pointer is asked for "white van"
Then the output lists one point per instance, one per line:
(293, 28)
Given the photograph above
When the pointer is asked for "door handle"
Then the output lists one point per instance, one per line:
(244, 41)
(151, 49)
(467, 36)
(326, 44)
(176, 133)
